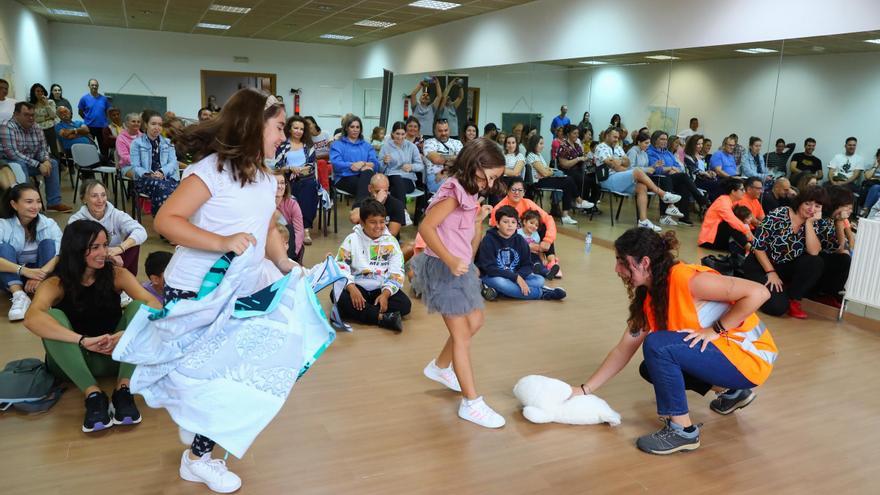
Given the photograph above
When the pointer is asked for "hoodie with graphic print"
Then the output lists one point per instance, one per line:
(372, 263)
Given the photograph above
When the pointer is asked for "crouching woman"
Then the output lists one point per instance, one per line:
(77, 314)
(698, 331)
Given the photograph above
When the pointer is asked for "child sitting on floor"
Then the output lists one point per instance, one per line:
(531, 220)
(373, 261)
(155, 267)
(504, 261)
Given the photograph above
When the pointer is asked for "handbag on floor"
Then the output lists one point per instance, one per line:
(28, 386)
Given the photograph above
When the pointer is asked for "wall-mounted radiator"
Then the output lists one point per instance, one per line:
(863, 284)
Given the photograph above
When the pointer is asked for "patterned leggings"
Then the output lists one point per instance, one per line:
(158, 190)
(201, 445)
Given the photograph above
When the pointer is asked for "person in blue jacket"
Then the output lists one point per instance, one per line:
(354, 160)
(154, 162)
(670, 174)
(503, 259)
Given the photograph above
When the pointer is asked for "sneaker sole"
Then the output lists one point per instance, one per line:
(738, 405)
(491, 427)
(187, 476)
(127, 421)
(682, 448)
(98, 427)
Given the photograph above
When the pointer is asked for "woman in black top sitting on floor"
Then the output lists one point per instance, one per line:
(77, 314)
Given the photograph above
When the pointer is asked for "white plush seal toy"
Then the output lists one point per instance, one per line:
(548, 400)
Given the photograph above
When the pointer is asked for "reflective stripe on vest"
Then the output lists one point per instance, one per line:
(748, 343)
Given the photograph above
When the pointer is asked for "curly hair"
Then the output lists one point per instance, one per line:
(660, 249)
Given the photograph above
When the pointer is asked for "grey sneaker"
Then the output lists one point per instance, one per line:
(732, 400)
(668, 440)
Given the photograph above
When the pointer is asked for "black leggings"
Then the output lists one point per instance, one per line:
(683, 185)
(566, 184)
(835, 274)
(399, 187)
(799, 277)
(356, 185)
(542, 231)
(585, 183)
(728, 238)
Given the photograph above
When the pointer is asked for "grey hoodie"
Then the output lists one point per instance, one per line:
(120, 225)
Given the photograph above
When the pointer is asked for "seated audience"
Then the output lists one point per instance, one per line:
(623, 179)
(77, 315)
(738, 150)
(400, 160)
(154, 162)
(638, 154)
(320, 139)
(806, 161)
(669, 174)
(155, 265)
(753, 162)
(752, 200)
(504, 261)
(584, 124)
(71, 131)
(723, 163)
(546, 178)
(721, 228)
(560, 120)
(514, 161)
(695, 165)
(578, 164)
(779, 195)
(414, 134)
(470, 133)
(114, 128)
(377, 138)
(45, 114)
(7, 104)
(372, 259)
(29, 245)
(354, 160)
(707, 150)
(24, 146)
(617, 123)
(490, 131)
(777, 160)
(290, 217)
(378, 190)
(531, 222)
(785, 253)
(126, 234)
(424, 109)
(804, 180)
(440, 152)
(123, 143)
(836, 242)
(846, 168)
(297, 157)
(58, 98)
(558, 138)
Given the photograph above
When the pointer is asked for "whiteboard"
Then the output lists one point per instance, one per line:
(329, 101)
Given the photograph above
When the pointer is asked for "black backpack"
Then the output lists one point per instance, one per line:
(28, 386)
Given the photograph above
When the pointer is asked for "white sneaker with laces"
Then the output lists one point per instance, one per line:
(212, 472)
(673, 211)
(667, 220)
(446, 376)
(567, 220)
(477, 411)
(584, 205)
(670, 198)
(124, 299)
(646, 224)
(20, 304)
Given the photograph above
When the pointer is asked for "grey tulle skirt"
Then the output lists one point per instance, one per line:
(443, 292)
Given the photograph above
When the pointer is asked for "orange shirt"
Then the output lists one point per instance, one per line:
(720, 211)
(749, 346)
(754, 206)
(523, 206)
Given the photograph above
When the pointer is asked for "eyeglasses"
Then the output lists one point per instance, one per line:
(518, 190)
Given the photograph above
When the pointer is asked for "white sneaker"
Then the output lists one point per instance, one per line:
(673, 211)
(646, 224)
(20, 304)
(446, 376)
(212, 472)
(667, 220)
(124, 299)
(584, 205)
(567, 220)
(670, 198)
(477, 411)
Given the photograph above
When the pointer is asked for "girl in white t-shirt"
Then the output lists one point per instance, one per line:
(224, 203)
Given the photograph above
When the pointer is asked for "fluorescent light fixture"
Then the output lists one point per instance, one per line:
(876, 41)
(634, 64)
(229, 8)
(661, 57)
(593, 62)
(208, 25)
(72, 13)
(375, 24)
(431, 4)
(754, 51)
(329, 36)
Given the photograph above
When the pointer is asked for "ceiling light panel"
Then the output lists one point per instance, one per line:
(229, 8)
(876, 42)
(593, 62)
(755, 51)
(661, 57)
(330, 36)
(431, 4)
(208, 25)
(71, 13)
(375, 24)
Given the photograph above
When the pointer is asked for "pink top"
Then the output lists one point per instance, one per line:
(292, 213)
(457, 230)
(123, 148)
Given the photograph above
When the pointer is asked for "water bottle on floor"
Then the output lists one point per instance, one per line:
(588, 243)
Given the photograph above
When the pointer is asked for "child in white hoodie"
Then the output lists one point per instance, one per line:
(373, 261)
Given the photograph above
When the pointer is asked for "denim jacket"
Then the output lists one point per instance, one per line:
(12, 233)
(141, 157)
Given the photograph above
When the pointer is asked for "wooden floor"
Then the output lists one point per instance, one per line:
(365, 421)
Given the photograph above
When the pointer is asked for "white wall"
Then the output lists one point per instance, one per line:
(561, 29)
(24, 49)
(169, 65)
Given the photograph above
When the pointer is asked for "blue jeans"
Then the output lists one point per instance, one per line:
(873, 196)
(53, 182)
(45, 252)
(510, 289)
(670, 361)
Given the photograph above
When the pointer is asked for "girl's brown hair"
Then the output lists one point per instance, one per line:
(481, 153)
(660, 250)
(236, 134)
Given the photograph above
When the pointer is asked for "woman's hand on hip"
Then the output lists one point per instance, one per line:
(704, 335)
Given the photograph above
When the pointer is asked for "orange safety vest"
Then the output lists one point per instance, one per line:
(749, 347)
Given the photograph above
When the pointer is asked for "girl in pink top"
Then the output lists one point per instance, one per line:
(452, 229)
